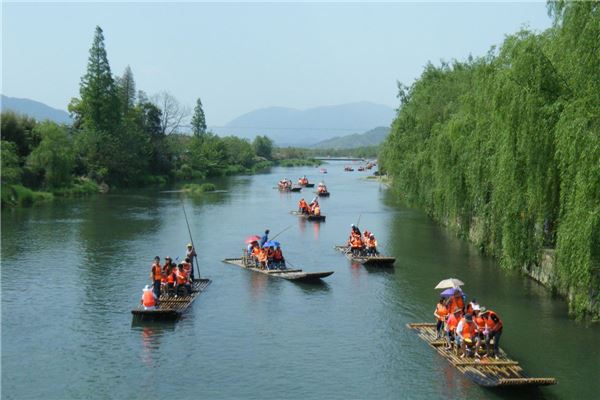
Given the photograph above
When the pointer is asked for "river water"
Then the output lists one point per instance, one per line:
(73, 270)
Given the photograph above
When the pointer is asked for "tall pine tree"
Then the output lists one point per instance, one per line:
(199, 120)
(99, 107)
(126, 90)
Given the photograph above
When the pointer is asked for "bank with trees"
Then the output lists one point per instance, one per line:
(506, 150)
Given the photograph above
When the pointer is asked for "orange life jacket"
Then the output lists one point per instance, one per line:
(148, 299)
(468, 329)
(171, 278)
(452, 323)
(491, 324)
(277, 255)
(456, 303)
(262, 255)
(371, 243)
(356, 242)
(480, 322)
(156, 272)
(181, 277)
(441, 311)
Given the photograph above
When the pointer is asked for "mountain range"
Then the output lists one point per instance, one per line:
(372, 137)
(293, 127)
(323, 127)
(35, 109)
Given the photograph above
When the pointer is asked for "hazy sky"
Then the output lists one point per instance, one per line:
(242, 56)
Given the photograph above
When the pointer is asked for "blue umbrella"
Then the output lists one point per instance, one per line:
(451, 291)
(271, 243)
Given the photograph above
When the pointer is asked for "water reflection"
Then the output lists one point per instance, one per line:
(151, 335)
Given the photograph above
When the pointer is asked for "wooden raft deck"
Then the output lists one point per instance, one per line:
(485, 372)
(315, 218)
(289, 274)
(366, 260)
(171, 308)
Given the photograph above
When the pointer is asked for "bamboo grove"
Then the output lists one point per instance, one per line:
(508, 146)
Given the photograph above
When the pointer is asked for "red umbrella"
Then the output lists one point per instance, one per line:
(252, 238)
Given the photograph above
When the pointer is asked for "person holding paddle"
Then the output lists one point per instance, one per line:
(190, 254)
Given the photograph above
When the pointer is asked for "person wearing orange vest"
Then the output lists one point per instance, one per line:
(356, 244)
(466, 333)
(456, 301)
(156, 276)
(165, 269)
(303, 206)
(149, 300)
(182, 280)
(317, 210)
(371, 243)
(270, 252)
(451, 323)
(493, 325)
(480, 322)
(440, 313)
(170, 274)
(278, 259)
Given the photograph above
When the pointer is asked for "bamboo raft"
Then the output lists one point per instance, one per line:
(323, 194)
(171, 307)
(289, 274)
(309, 217)
(485, 372)
(308, 185)
(366, 260)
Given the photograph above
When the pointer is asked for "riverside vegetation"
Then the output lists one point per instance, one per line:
(508, 145)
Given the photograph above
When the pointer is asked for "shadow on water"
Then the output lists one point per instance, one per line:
(318, 286)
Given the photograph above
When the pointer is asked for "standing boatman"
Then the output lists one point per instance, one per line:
(156, 276)
(265, 238)
(191, 253)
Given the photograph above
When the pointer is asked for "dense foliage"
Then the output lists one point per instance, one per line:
(507, 149)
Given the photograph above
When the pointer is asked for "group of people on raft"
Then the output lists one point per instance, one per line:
(171, 278)
(468, 329)
(309, 209)
(303, 181)
(363, 244)
(321, 188)
(285, 184)
(265, 254)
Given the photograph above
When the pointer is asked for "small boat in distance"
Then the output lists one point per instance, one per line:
(485, 372)
(323, 170)
(348, 168)
(303, 182)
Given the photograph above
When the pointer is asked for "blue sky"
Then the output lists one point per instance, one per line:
(242, 56)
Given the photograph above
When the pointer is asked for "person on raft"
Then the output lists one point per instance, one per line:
(303, 207)
(303, 181)
(265, 238)
(149, 300)
(189, 255)
(321, 188)
(371, 245)
(440, 313)
(182, 281)
(156, 276)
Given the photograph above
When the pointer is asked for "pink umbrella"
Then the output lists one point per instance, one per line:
(251, 239)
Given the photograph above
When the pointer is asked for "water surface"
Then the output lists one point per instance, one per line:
(73, 270)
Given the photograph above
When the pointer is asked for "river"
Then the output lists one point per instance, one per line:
(73, 270)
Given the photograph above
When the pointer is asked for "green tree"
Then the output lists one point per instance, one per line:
(126, 91)
(10, 171)
(18, 129)
(263, 147)
(54, 157)
(198, 120)
(99, 108)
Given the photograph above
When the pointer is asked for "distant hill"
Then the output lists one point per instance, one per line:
(369, 138)
(35, 109)
(289, 126)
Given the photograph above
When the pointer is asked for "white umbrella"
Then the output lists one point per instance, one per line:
(449, 283)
